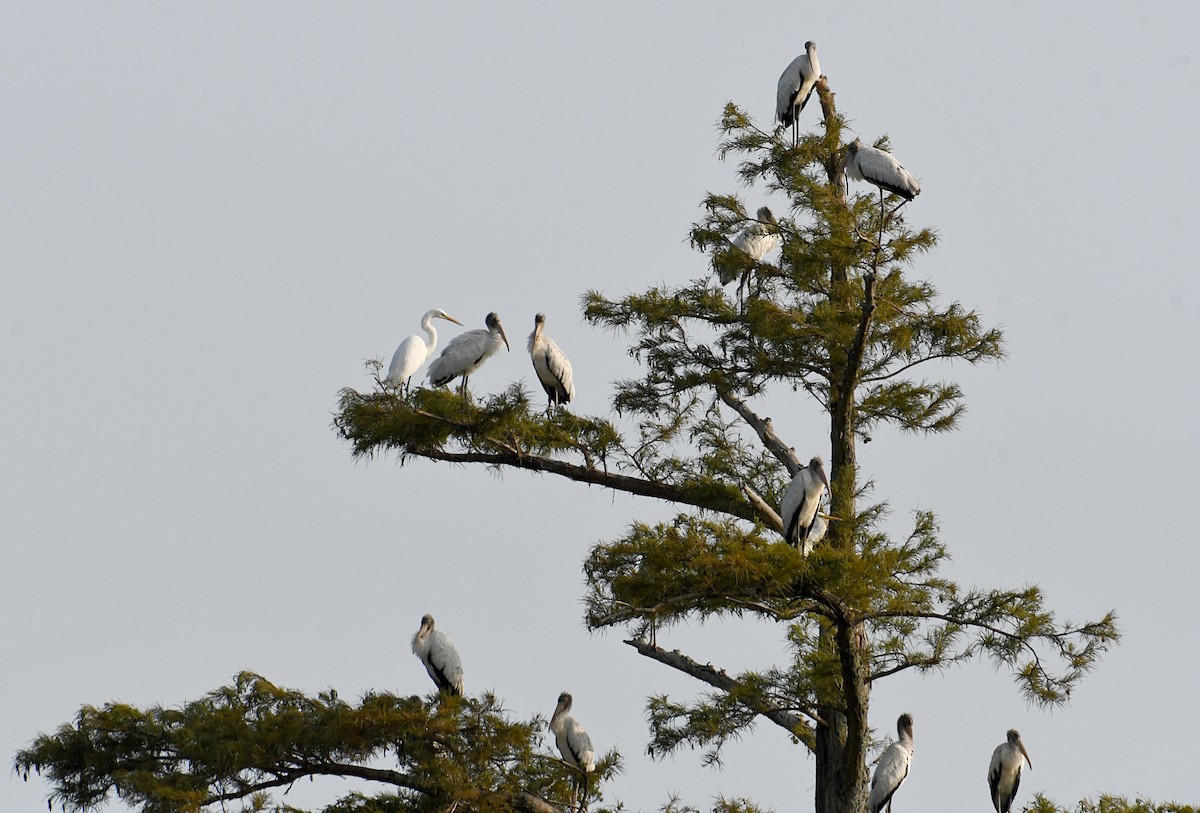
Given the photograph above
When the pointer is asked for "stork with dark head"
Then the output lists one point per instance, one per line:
(467, 352)
(892, 769)
(552, 366)
(439, 656)
(800, 504)
(1004, 771)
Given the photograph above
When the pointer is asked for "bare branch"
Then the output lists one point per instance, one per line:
(766, 433)
(718, 678)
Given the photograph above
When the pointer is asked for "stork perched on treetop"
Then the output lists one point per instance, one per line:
(796, 84)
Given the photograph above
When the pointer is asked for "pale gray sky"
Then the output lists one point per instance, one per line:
(213, 213)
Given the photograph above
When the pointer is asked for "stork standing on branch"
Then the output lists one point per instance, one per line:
(893, 766)
(1004, 772)
(439, 656)
(573, 742)
(467, 352)
(415, 351)
(796, 84)
(800, 504)
(756, 241)
(552, 366)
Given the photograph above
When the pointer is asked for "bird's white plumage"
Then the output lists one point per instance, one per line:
(881, 168)
(440, 657)
(756, 240)
(796, 84)
(892, 769)
(571, 738)
(415, 351)
(551, 364)
(1004, 771)
(467, 352)
(800, 503)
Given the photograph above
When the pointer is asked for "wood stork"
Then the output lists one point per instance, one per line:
(796, 84)
(757, 240)
(415, 351)
(573, 742)
(467, 352)
(1004, 772)
(881, 168)
(800, 503)
(552, 366)
(439, 656)
(892, 769)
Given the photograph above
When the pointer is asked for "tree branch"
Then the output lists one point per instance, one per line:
(766, 433)
(583, 474)
(793, 723)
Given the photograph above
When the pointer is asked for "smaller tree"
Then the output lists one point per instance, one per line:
(242, 741)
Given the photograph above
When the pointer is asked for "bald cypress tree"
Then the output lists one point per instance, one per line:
(838, 321)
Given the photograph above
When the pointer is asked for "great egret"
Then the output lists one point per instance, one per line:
(796, 84)
(415, 351)
(892, 769)
(552, 366)
(439, 656)
(467, 352)
(1004, 772)
(801, 502)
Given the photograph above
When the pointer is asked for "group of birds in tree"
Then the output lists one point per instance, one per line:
(870, 164)
(467, 352)
(803, 523)
(441, 660)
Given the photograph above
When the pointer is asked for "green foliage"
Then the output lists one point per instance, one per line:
(240, 741)
(1109, 804)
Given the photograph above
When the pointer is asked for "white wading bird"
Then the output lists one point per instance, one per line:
(439, 656)
(467, 352)
(573, 741)
(552, 366)
(892, 769)
(880, 168)
(415, 351)
(757, 240)
(800, 504)
(1004, 772)
(796, 84)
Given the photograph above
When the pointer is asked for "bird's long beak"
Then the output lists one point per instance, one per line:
(502, 336)
(452, 319)
(829, 517)
(1021, 745)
